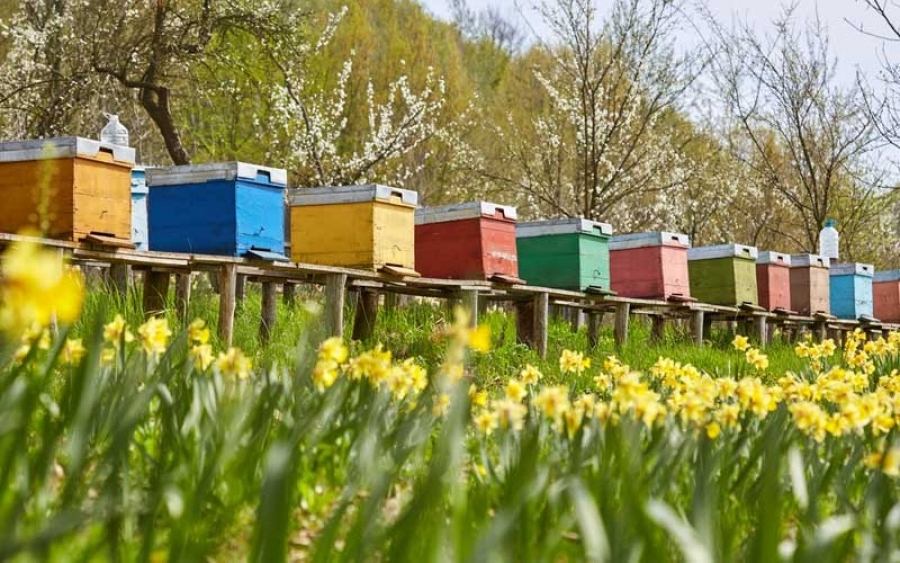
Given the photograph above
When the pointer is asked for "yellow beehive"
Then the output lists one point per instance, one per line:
(66, 188)
(369, 226)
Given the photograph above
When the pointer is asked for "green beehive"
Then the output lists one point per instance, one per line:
(564, 253)
(723, 274)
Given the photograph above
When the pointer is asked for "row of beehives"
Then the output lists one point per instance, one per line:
(75, 187)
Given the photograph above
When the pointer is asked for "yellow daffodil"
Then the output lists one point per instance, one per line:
(155, 335)
(234, 363)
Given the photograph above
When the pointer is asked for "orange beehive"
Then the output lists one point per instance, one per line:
(650, 265)
(773, 280)
(810, 284)
(66, 188)
(886, 295)
(475, 240)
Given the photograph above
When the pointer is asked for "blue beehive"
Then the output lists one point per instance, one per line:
(229, 208)
(139, 208)
(851, 290)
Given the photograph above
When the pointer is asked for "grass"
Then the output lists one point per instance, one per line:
(150, 459)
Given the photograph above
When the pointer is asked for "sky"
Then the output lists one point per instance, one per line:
(854, 50)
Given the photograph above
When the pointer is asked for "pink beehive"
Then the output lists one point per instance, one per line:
(650, 265)
(773, 280)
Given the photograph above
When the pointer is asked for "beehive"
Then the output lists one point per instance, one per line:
(227, 208)
(564, 253)
(467, 241)
(773, 280)
(66, 188)
(886, 295)
(650, 265)
(368, 226)
(139, 190)
(724, 274)
(851, 290)
(810, 291)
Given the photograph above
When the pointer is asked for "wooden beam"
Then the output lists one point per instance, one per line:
(541, 323)
(390, 301)
(594, 320)
(623, 312)
(525, 322)
(469, 298)
(182, 295)
(289, 294)
(227, 301)
(657, 329)
(268, 310)
(334, 304)
(760, 328)
(698, 326)
(156, 291)
(240, 288)
(119, 275)
(366, 315)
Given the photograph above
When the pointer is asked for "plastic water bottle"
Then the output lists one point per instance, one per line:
(828, 240)
(114, 132)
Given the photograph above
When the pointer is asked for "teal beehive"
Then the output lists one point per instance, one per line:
(851, 290)
(564, 253)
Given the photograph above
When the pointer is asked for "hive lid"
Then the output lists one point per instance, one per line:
(351, 194)
(459, 211)
(852, 269)
(887, 276)
(723, 251)
(810, 260)
(199, 173)
(563, 226)
(139, 181)
(641, 240)
(770, 257)
(62, 147)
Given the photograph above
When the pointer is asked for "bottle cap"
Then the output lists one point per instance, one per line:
(830, 222)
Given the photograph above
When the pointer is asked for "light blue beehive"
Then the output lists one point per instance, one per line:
(139, 191)
(851, 290)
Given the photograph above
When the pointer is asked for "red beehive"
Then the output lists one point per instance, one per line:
(886, 295)
(474, 240)
(773, 280)
(650, 265)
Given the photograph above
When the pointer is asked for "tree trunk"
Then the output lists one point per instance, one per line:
(156, 102)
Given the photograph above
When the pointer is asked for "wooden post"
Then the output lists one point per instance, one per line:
(156, 291)
(821, 329)
(289, 294)
(469, 299)
(541, 322)
(227, 301)
(658, 329)
(119, 274)
(760, 327)
(594, 319)
(525, 322)
(390, 302)
(366, 315)
(240, 288)
(698, 326)
(334, 304)
(623, 312)
(269, 310)
(182, 295)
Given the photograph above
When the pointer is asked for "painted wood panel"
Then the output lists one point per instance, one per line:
(140, 234)
(810, 290)
(886, 300)
(475, 248)
(650, 272)
(573, 261)
(851, 293)
(773, 282)
(724, 281)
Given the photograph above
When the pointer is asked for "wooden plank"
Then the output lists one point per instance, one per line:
(469, 298)
(182, 295)
(227, 288)
(760, 328)
(289, 294)
(105, 240)
(268, 311)
(658, 329)
(366, 315)
(698, 325)
(334, 304)
(541, 323)
(156, 290)
(525, 322)
(623, 311)
(240, 288)
(594, 320)
(119, 275)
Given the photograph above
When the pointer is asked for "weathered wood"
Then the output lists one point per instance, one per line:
(182, 295)
(240, 288)
(707, 326)
(390, 302)
(760, 328)
(156, 291)
(119, 274)
(541, 323)
(821, 330)
(289, 294)
(366, 315)
(594, 320)
(698, 326)
(658, 328)
(334, 304)
(227, 302)
(525, 323)
(268, 310)
(623, 312)
(469, 298)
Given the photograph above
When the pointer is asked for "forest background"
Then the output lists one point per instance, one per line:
(741, 135)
